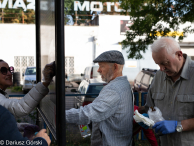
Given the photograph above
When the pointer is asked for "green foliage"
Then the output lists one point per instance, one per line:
(33, 115)
(16, 16)
(152, 18)
(29, 16)
(12, 15)
(69, 10)
(16, 89)
(68, 7)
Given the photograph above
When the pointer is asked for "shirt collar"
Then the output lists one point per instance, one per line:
(185, 71)
(2, 92)
(119, 78)
(165, 77)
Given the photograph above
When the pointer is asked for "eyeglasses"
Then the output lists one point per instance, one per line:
(4, 70)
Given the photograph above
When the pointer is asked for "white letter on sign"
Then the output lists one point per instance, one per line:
(109, 4)
(44, 5)
(31, 4)
(3, 4)
(10, 4)
(78, 4)
(117, 6)
(20, 3)
(96, 9)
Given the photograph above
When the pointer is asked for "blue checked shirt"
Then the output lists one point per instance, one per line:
(112, 109)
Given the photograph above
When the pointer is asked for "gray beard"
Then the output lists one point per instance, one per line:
(108, 76)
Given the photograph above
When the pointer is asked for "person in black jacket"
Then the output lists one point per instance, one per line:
(10, 135)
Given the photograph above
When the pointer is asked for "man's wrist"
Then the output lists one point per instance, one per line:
(179, 127)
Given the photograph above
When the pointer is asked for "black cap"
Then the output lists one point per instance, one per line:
(112, 56)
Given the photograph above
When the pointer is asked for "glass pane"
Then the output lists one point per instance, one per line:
(84, 89)
(146, 79)
(17, 39)
(30, 71)
(95, 72)
(139, 76)
(91, 28)
(81, 86)
(95, 89)
(47, 39)
(151, 78)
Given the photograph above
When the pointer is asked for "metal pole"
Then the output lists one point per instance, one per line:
(22, 17)
(76, 17)
(140, 106)
(38, 50)
(2, 16)
(60, 73)
(94, 48)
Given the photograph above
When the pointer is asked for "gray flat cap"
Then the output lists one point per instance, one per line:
(112, 56)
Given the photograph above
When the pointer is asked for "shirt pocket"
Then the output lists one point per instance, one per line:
(185, 105)
(158, 99)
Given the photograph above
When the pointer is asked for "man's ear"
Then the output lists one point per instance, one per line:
(180, 54)
(115, 66)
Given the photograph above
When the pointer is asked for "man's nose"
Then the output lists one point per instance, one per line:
(98, 70)
(162, 68)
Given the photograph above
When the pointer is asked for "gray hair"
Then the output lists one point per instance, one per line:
(120, 67)
(167, 43)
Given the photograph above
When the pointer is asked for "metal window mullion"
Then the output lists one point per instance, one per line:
(60, 73)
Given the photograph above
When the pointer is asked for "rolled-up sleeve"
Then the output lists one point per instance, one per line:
(100, 109)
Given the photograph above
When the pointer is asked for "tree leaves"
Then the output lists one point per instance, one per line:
(153, 18)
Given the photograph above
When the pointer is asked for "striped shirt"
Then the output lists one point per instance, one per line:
(112, 109)
(176, 102)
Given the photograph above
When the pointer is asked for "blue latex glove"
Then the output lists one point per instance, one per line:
(142, 124)
(165, 127)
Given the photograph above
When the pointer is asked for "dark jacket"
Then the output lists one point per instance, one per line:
(9, 133)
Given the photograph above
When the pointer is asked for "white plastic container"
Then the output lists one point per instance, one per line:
(156, 115)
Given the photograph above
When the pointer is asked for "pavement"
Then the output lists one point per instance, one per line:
(70, 100)
(69, 84)
(72, 130)
(9, 92)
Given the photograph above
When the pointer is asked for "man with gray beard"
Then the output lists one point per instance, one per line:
(112, 110)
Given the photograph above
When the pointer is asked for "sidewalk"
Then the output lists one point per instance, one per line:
(71, 84)
(9, 92)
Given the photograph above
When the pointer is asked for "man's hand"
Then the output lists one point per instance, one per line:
(142, 124)
(42, 133)
(165, 127)
(48, 73)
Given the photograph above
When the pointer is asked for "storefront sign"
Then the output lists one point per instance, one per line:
(89, 6)
(17, 4)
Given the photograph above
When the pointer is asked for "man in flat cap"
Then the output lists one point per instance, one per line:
(112, 110)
